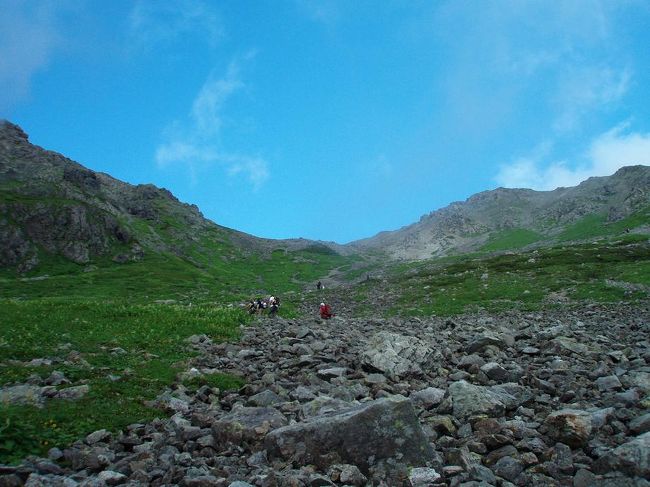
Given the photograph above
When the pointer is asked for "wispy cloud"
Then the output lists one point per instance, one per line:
(606, 154)
(584, 90)
(29, 37)
(150, 23)
(564, 54)
(324, 11)
(195, 143)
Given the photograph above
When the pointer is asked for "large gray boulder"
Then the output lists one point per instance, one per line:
(363, 436)
(398, 355)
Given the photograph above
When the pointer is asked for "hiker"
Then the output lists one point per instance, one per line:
(325, 311)
(252, 307)
(319, 286)
(273, 309)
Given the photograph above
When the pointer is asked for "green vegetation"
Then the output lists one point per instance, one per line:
(126, 353)
(597, 226)
(511, 239)
(597, 272)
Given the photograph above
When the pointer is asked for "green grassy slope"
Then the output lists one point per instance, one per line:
(606, 271)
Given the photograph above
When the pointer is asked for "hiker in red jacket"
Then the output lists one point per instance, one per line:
(325, 311)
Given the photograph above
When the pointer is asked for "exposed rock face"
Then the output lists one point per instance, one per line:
(468, 225)
(311, 414)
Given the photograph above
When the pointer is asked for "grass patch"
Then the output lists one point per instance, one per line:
(523, 281)
(126, 353)
(511, 239)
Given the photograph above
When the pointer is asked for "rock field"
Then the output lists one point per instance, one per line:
(527, 399)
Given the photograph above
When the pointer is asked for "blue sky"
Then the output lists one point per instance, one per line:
(331, 120)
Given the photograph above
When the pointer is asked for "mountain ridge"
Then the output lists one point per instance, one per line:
(61, 206)
(465, 226)
(56, 206)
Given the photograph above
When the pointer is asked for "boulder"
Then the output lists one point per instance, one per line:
(363, 435)
(398, 355)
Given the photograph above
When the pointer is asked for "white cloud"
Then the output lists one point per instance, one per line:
(206, 109)
(583, 90)
(195, 143)
(615, 149)
(606, 154)
(150, 23)
(568, 56)
(28, 39)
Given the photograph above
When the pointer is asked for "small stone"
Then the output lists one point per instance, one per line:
(422, 476)
(608, 383)
(641, 424)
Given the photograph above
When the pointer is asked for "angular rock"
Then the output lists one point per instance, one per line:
(480, 343)
(609, 383)
(398, 355)
(423, 476)
(469, 399)
(427, 398)
(247, 424)
(379, 430)
(631, 458)
(641, 424)
(569, 426)
(495, 371)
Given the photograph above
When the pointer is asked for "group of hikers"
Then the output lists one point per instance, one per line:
(261, 305)
(271, 305)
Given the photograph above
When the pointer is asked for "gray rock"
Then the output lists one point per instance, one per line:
(22, 395)
(111, 478)
(508, 468)
(72, 393)
(323, 405)
(631, 458)
(427, 398)
(641, 424)
(495, 371)
(98, 436)
(609, 383)
(331, 373)
(247, 425)
(265, 399)
(398, 355)
(469, 400)
(378, 430)
(641, 380)
(480, 343)
(423, 476)
(569, 426)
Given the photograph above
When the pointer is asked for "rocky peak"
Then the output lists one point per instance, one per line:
(10, 131)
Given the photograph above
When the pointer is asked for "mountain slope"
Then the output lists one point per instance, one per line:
(54, 211)
(512, 218)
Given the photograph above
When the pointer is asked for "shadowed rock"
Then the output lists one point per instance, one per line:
(364, 435)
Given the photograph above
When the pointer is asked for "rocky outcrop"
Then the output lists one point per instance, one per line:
(467, 226)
